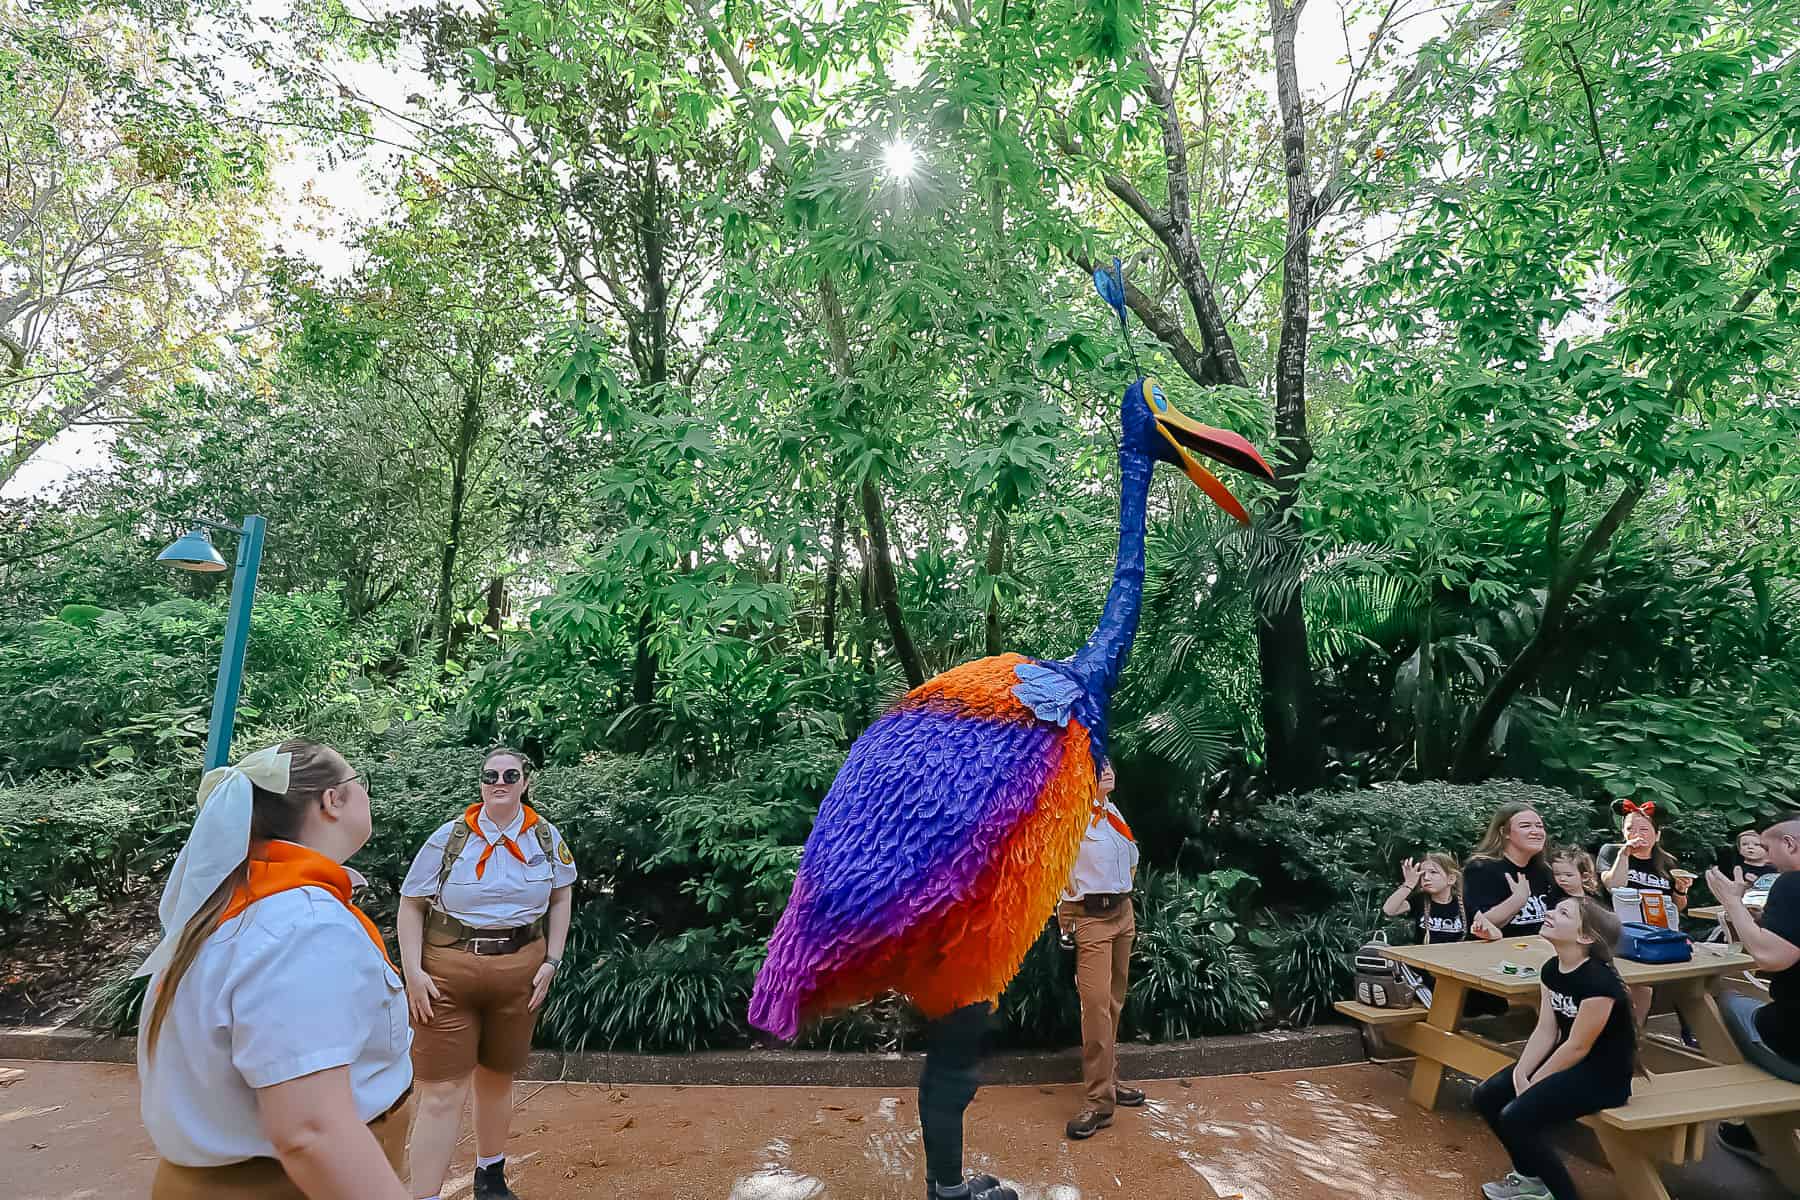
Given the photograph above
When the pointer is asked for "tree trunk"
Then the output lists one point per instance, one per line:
(643, 667)
(1425, 755)
(1290, 707)
(1472, 750)
(996, 563)
(887, 586)
(468, 428)
(865, 599)
(656, 286)
(496, 604)
(656, 373)
(834, 574)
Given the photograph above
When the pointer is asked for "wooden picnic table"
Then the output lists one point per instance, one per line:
(1462, 967)
(1707, 912)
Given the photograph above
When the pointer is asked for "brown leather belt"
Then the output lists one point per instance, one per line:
(1098, 904)
(445, 932)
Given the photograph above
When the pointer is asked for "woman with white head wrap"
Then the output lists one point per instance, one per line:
(273, 1051)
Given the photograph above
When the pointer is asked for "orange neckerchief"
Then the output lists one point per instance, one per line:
(531, 818)
(283, 866)
(1118, 823)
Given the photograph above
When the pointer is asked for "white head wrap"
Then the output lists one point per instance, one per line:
(219, 842)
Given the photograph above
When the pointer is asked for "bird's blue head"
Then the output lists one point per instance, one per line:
(1156, 429)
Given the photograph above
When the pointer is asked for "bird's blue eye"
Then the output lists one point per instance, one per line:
(1156, 399)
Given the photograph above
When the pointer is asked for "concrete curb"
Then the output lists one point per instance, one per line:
(1318, 1046)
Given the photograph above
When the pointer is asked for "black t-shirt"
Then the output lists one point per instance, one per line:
(1487, 882)
(1439, 922)
(1615, 1049)
(1642, 874)
(1779, 1020)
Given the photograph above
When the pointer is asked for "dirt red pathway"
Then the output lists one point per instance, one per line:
(71, 1132)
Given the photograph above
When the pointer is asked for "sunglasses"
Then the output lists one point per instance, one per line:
(510, 775)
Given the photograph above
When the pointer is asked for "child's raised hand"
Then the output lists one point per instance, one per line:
(1409, 873)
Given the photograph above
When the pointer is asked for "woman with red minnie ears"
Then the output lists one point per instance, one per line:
(484, 913)
(272, 1050)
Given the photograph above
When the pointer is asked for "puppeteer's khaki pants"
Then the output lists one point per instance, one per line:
(1102, 971)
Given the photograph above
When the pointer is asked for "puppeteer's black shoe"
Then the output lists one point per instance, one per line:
(1128, 1097)
(975, 1187)
(490, 1183)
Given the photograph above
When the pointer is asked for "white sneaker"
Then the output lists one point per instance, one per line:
(1516, 1187)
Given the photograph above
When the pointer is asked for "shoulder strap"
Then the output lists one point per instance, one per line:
(453, 848)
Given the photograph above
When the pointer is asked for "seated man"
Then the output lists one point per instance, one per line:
(1768, 1034)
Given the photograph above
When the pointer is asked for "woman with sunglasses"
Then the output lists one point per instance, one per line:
(484, 913)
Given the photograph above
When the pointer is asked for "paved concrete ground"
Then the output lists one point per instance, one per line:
(70, 1131)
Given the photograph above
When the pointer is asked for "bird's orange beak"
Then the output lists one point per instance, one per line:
(1221, 445)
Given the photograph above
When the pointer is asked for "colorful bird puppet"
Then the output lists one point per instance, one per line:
(940, 850)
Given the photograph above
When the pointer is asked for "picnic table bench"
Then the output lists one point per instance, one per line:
(1669, 1115)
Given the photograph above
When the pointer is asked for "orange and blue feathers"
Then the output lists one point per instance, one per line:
(939, 851)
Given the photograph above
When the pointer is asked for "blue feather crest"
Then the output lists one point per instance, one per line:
(1110, 283)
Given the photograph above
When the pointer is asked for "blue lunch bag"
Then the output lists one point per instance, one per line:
(1654, 944)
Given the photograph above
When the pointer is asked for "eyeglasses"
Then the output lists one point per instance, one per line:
(510, 775)
(359, 777)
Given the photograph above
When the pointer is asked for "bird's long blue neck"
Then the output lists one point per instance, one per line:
(1101, 660)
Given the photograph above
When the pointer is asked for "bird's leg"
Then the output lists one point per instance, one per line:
(946, 1085)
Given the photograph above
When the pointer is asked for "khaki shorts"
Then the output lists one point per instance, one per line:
(263, 1178)
(482, 1014)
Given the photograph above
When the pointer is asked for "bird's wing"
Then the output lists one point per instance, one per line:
(937, 854)
(1047, 692)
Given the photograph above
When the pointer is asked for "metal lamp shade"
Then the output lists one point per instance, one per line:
(193, 551)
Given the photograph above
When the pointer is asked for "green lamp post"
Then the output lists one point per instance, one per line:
(194, 551)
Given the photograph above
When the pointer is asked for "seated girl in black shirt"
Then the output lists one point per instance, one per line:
(1506, 882)
(1579, 1060)
(1431, 888)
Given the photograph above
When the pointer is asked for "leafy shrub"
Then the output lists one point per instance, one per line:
(1713, 762)
(887, 1025)
(1191, 975)
(136, 686)
(1307, 959)
(1346, 847)
(673, 993)
(116, 1005)
(62, 835)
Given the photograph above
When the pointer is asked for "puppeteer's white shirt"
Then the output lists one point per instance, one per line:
(509, 893)
(1107, 861)
(289, 987)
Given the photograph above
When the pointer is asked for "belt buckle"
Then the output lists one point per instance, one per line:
(499, 944)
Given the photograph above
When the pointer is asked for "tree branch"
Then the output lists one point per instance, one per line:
(1167, 328)
(1593, 116)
